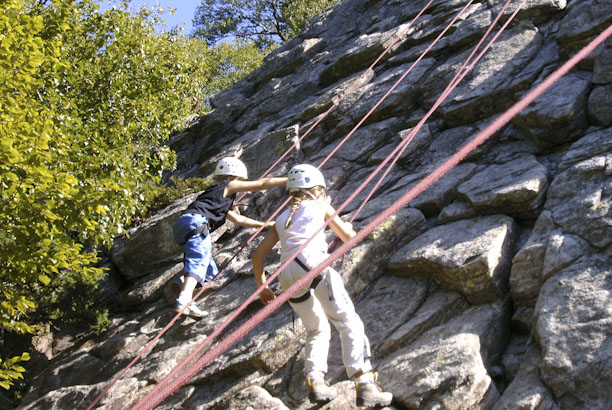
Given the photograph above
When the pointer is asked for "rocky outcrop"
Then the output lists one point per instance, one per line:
(447, 366)
(146, 249)
(470, 256)
(491, 290)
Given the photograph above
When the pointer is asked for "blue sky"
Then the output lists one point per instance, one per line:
(185, 9)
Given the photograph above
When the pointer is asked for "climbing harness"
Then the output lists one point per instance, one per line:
(315, 282)
(202, 229)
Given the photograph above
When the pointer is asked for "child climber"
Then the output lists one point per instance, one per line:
(325, 297)
(207, 213)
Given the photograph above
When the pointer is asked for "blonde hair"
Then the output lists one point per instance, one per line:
(297, 196)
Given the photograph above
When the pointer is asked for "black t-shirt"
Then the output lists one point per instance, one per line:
(213, 205)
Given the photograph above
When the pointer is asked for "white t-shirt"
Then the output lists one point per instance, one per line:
(306, 221)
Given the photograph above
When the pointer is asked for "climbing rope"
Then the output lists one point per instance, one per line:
(459, 75)
(243, 307)
(226, 263)
(156, 397)
(246, 303)
(350, 89)
(253, 297)
(394, 86)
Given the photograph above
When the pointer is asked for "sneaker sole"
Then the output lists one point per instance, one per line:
(188, 313)
(320, 398)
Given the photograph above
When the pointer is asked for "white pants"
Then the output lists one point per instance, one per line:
(338, 308)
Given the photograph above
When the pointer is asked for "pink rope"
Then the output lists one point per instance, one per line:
(354, 84)
(151, 400)
(460, 75)
(152, 343)
(399, 80)
(246, 303)
(243, 307)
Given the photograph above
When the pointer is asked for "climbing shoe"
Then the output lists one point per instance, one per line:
(369, 393)
(318, 391)
(192, 310)
(172, 290)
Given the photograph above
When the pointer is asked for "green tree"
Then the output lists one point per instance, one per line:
(87, 102)
(266, 22)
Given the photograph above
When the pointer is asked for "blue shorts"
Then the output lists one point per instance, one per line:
(198, 249)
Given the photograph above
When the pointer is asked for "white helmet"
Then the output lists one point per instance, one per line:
(305, 176)
(231, 166)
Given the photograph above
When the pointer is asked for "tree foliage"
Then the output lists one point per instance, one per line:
(266, 22)
(88, 100)
(10, 370)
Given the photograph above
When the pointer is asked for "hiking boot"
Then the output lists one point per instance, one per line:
(172, 290)
(192, 310)
(318, 391)
(369, 393)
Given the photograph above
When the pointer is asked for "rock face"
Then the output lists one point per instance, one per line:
(491, 290)
(470, 256)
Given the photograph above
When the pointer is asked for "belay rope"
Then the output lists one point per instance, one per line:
(461, 73)
(153, 341)
(271, 218)
(246, 303)
(149, 346)
(158, 395)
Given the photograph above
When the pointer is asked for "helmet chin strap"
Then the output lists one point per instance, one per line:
(310, 194)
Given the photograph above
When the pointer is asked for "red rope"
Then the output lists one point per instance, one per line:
(461, 73)
(246, 303)
(151, 401)
(451, 86)
(152, 343)
(399, 80)
(329, 156)
(354, 84)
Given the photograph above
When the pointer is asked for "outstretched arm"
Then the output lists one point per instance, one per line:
(246, 221)
(344, 230)
(247, 186)
(258, 257)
